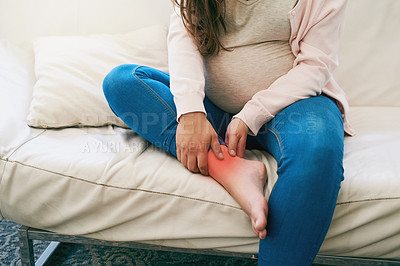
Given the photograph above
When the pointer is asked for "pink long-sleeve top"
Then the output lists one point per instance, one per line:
(316, 28)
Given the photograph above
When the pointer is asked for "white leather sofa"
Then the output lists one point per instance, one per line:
(100, 180)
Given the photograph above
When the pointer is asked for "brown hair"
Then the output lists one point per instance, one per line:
(204, 20)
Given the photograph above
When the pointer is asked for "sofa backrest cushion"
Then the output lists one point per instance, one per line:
(70, 71)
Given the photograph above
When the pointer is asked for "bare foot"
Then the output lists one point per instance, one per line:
(244, 180)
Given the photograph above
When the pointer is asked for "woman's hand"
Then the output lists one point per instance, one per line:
(236, 136)
(194, 136)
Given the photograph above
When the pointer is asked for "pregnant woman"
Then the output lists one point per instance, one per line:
(250, 74)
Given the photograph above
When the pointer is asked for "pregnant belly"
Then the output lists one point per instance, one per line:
(233, 77)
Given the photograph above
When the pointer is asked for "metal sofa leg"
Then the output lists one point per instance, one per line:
(26, 247)
(46, 255)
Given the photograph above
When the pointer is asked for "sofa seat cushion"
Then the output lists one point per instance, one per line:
(109, 183)
(367, 215)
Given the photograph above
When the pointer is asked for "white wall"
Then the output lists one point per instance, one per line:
(369, 55)
(20, 20)
(369, 69)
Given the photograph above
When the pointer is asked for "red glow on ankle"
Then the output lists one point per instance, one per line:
(216, 167)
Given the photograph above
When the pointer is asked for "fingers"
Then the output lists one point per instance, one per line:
(178, 152)
(241, 146)
(236, 136)
(193, 143)
(236, 145)
(195, 157)
(184, 161)
(216, 147)
(202, 162)
(191, 154)
(192, 163)
(181, 154)
(233, 144)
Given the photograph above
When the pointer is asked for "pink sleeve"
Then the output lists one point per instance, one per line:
(321, 26)
(185, 68)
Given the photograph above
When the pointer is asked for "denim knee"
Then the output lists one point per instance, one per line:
(324, 150)
(115, 83)
(316, 140)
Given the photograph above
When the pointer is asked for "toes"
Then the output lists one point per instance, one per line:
(259, 228)
(259, 223)
(262, 234)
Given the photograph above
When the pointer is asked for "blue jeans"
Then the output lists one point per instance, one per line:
(306, 139)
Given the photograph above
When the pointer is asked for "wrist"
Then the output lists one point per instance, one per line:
(242, 124)
(191, 116)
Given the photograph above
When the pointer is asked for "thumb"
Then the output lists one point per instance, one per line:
(233, 143)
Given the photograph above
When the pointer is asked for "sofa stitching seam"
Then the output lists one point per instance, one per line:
(132, 189)
(367, 200)
(25, 142)
(163, 193)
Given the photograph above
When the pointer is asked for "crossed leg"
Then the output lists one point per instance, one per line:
(136, 93)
